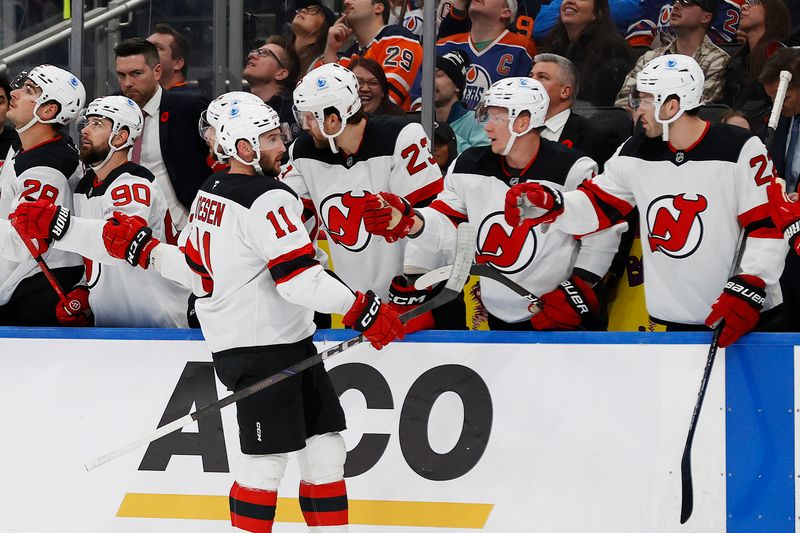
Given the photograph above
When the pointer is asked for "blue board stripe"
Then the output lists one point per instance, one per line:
(760, 438)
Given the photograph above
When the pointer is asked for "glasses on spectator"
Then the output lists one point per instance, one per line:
(310, 10)
(372, 84)
(751, 3)
(265, 52)
(685, 3)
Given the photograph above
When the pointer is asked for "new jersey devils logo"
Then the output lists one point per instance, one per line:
(342, 216)
(674, 224)
(507, 249)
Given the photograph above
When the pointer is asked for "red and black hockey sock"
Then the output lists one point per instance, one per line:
(252, 509)
(324, 505)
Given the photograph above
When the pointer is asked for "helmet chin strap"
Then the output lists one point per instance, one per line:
(665, 123)
(111, 151)
(32, 121)
(331, 138)
(254, 163)
(514, 136)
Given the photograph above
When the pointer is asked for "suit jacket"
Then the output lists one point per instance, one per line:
(778, 149)
(184, 152)
(595, 141)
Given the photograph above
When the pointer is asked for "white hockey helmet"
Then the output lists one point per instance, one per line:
(517, 95)
(209, 119)
(329, 85)
(123, 113)
(245, 121)
(672, 75)
(57, 85)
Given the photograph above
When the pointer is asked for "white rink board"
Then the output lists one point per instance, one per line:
(583, 437)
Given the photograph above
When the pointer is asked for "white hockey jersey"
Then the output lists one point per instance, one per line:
(121, 295)
(248, 246)
(693, 204)
(394, 156)
(475, 191)
(39, 172)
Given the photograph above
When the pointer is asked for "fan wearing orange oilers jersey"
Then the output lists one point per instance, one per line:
(120, 295)
(393, 47)
(346, 157)
(251, 254)
(563, 269)
(697, 186)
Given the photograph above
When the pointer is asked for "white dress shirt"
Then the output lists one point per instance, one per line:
(554, 126)
(152, 160)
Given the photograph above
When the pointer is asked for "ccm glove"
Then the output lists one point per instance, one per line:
(41, 219)
(404, 297)
(739, 306)
(129, 238)
(567, 306)
(76, 312)
(378, 216)
(785, 214)
(533, 202)
(379, 323)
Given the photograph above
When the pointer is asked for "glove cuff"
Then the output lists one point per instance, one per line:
(402, 293)
(792, 232)
(60, 223)
(364, 312)
(580, 296)
(137, 246)
(751, 289)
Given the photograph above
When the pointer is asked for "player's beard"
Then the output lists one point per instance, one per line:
(270, 165)
(92, 154)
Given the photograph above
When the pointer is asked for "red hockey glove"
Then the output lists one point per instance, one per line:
(129, 238)
(739, 306)
(379, 323)
(566, 306)
(532, 202)
(40, 219)
(378, 216)
(785, 214)
(404, 297)
(77, 312)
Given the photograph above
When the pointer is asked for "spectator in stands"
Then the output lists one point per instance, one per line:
(395, 48)
(736, 118)
(169, 145)
(272, 71)
(493, 52)
(310, 26)
(173, 53)
(373, 88)
(451, 72)
(559, 76)
(764, 24)
(8, 135)
(445, 147)
(585, 35)
(690, 19)
(455, 19)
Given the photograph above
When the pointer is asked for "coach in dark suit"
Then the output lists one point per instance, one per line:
(559, 76)
(170, 146)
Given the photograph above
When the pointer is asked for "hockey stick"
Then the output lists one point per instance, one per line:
(483, 270)
(687, 489)
(465, 252)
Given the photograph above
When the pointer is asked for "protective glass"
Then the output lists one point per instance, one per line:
(95, 122)
(203, 125)
(483, 115)
(304, 118)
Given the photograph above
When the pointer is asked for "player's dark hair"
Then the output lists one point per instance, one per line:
(386, 9)
(357, 117)
(5, 86)
(138, 46)
(783, 59)
(290, 60)
(179, 46)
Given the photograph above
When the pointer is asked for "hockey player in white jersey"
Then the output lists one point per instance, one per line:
(251, 255)
(346, 157)
(697, 186)
(42, 101)
(119, 294)
(554, 264)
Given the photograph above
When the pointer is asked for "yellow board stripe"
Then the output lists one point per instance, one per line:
(365, 512)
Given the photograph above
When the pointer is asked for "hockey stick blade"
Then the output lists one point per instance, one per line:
(465, 253)
(483, 270)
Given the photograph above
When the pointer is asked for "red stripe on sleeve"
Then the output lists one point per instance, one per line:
(758, 213)
(428, 191)
(308, 249)
(448, 211)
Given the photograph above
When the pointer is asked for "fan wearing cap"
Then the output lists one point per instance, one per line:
(554, 264)
(451, 77)
(697, 186)
(119, 294)
(690, 20)
(42, 101)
